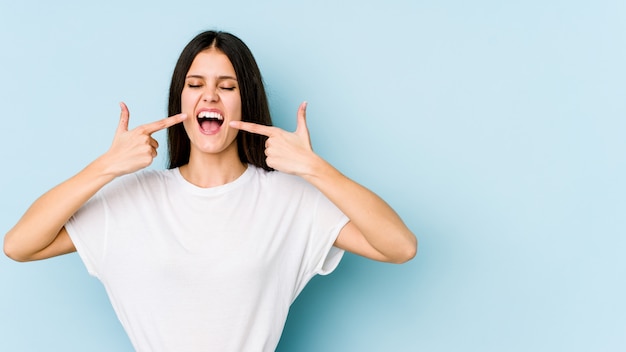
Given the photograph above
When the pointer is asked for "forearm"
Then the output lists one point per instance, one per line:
(379, 224)
(45, 218)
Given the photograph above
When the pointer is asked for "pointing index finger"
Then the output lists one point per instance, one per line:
(252, 127)
(155, 126)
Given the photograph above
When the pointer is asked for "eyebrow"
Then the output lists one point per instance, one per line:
(218, 77)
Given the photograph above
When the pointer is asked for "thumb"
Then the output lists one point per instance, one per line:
(124, 117)
(301, 128)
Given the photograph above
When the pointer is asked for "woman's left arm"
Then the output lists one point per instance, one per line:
(375, 230)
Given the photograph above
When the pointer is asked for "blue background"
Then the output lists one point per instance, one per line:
(495, 129)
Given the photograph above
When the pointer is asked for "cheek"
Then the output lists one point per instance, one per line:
(187, 101)
(188, 125)
(235, 108)
(184, 105)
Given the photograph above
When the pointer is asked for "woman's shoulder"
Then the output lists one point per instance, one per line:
(140, 181)
(279, 179)
(148, 175)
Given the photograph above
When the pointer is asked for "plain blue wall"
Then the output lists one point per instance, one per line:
(496, 129)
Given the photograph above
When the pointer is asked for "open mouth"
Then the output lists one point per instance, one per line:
(210, 121)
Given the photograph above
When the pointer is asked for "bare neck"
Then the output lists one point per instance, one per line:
(212, 170)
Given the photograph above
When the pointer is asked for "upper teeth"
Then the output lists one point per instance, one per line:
(210, 114)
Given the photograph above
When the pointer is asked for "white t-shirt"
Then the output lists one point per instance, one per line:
(206, 269)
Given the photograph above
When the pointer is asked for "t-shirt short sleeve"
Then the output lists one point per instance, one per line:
(322, 257)
(331, 221)
(331, 261)
(87, 230)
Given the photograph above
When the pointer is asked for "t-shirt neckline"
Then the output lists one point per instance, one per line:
(191, 188)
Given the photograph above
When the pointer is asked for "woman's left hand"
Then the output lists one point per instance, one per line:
(289, 152)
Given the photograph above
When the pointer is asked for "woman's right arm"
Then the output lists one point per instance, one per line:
(40, 233)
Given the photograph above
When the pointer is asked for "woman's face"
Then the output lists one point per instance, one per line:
(211, 99)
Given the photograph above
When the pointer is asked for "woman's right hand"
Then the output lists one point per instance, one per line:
(135, 149)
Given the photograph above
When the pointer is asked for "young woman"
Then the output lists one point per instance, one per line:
(209, 254)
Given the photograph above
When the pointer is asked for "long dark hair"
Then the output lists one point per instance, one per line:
(254, 105)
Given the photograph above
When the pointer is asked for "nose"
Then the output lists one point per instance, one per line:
(210, 94)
